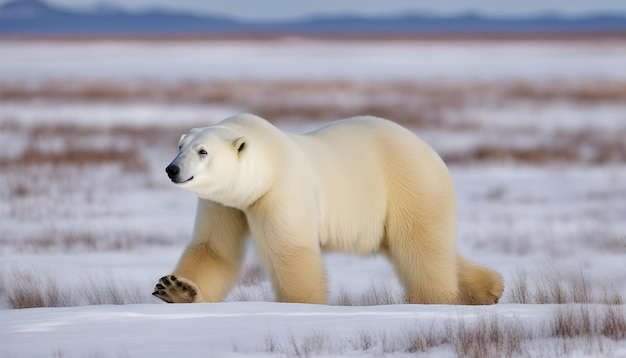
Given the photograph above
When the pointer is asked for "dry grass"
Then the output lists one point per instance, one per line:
(413, 340)
(601, 91)
(26, 289)
(106, 290)
(556, 287)
(29, 289)
(363, 341)
(588, 328)
(587, 321)
(62, 146)
(73, 241)
(613, 324)
(313, 344)
(584, 146)
(128, 160)
(377, 295)
(421, 106)
(600, 234)
(489, 337)
(245, 91)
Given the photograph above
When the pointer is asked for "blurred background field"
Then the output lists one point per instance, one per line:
(532, 126)
(86, 139)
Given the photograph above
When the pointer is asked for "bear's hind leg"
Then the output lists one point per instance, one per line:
(426, 267)
(424, 282)
(478, 285)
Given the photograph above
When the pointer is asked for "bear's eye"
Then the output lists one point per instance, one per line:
(202, 152)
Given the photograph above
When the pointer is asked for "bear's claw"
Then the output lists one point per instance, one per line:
(172, 289)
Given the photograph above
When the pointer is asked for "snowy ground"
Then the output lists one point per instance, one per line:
(313, 59)
(244, 329)
(533, 133)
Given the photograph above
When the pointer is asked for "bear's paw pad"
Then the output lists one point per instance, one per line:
(172, 289)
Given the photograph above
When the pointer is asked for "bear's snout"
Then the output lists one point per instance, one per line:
(172, 171)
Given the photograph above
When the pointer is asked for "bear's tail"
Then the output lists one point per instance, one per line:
(478, 285)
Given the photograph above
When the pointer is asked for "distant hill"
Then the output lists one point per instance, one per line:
(36, 17)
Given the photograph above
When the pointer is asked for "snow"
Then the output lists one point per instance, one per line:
(202, 330)
(311, 59)
(544, 218)
(106, 114)
(243, 329)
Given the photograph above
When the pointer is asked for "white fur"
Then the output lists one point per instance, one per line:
(362, 185)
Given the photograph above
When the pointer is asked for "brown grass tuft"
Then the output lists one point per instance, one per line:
(363, 341)
(70, 240)
(262, 91)
(29, 289)
(423, 106)
(489, 337)
(593, 329)
(127, 159)
(421, 341)
(375, 296)
(589, 321)
(19, 190)
(585, 146)
(601, 91)
(613, 324)
(517, 289)
(573, 321)
(557, 287)
(63, 145)
(271, 344)
(107, 290)
(26, 289)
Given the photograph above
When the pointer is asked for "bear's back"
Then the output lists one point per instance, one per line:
(354, 162)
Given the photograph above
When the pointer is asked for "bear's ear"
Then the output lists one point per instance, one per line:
(240, 145)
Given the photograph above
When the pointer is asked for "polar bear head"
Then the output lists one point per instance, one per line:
(216, 163)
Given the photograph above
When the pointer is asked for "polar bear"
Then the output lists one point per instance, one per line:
(362, 185)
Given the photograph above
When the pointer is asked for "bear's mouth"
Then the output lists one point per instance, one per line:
(176, 181)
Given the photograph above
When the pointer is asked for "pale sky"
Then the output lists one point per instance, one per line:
(281, 9)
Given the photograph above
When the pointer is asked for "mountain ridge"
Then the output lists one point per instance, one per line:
(39, 17)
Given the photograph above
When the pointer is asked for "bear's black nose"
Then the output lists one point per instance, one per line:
(172, 171)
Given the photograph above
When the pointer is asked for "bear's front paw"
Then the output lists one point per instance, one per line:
(172, 289)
